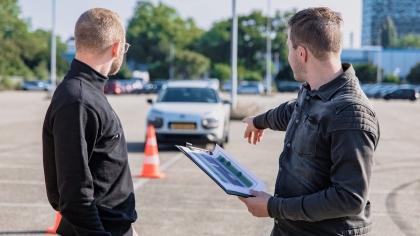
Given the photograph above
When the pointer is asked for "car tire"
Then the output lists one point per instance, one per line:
(387, 97)
(413, 98)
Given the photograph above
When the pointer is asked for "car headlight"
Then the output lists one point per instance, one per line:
(211, 120)
(157, 122)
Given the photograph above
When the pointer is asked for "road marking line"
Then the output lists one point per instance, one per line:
(28, 182)
(164, 166)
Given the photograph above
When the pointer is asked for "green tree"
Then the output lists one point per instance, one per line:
(216, 43)
(13, 35)
(366, 72)
(190, 65)
(285, 74)
(23, 51)
(150, 32)
(408, 41)
(221, 71)
(414, 75)
(388, 32)
(390, 78)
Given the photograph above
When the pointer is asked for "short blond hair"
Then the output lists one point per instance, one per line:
(97, 29)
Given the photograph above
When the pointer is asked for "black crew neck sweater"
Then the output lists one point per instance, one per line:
(86, 169)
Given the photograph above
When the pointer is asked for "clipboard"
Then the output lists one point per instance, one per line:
(224, 170)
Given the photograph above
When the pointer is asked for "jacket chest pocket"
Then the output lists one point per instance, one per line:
(112, 132)
(306, 136)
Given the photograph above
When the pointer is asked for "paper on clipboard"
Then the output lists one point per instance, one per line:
(225, 170)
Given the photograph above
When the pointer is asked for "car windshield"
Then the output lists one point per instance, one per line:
(203, 95)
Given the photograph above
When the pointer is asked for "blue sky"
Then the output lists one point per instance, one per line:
(204, 12)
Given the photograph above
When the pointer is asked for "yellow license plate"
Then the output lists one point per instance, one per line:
(188, 126)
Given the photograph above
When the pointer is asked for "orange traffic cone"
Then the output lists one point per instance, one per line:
(151, 163)
(52, 230)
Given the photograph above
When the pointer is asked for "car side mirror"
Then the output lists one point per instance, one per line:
(227, 102)
(150, 101)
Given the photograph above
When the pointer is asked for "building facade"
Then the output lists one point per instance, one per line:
(404, 13)
(393, 61)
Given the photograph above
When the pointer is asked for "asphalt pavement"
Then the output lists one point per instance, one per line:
(186, 201)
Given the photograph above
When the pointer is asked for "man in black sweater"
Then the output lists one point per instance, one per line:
(86, 169)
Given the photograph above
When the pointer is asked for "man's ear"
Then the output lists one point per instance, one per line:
(302, 53)
(116, 49)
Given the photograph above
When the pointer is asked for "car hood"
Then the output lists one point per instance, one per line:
(186, 107)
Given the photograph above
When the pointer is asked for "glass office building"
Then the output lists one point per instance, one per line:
(404, 13)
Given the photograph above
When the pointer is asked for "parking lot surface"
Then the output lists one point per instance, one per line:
(187, 201)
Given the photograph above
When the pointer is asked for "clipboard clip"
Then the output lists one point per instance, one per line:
(190, 146)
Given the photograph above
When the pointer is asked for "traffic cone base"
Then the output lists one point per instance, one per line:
(151, 171)
(53, 230)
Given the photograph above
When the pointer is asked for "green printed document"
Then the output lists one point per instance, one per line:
(227, 172)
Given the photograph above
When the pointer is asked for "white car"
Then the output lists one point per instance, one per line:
(190, 111)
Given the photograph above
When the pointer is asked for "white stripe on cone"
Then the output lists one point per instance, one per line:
(151, 141)
(151, 160)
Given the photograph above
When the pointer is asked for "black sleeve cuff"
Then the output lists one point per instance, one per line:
(257, 121)
(273, 207)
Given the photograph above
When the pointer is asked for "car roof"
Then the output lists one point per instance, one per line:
(191, 84)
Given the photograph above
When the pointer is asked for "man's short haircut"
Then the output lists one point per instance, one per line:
(317, 29)
(97, 29)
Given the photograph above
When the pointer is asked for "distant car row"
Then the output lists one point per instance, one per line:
(391, 91)
(254, 87)
(132, 86)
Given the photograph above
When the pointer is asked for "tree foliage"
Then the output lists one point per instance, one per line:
(391, 78)
(285, 74)
(252, 37)
(25, 53)
(151, 31)
(221, 71)
(388, 32)
(366, 72)
(414, 75)
(408, 41)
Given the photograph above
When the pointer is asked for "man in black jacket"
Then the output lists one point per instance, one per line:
(86, 167)
(323, 181)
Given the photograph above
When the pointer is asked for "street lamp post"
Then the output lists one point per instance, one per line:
(234, 56)
(172, 55)
(378, 72)
(268, 55)
(53, 50)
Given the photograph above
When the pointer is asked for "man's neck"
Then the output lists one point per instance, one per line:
(321, 73)
(98, 64)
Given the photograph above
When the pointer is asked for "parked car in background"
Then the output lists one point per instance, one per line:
(402, 93)
(227, 86)
(288, 86)
(114, 87)
(378, 90)
(190, 111)
(152, 87)
(38, 85)
(250, 87)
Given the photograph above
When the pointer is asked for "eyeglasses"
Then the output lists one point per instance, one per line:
(126, 46)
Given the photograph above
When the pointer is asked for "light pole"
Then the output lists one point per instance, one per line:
(53, 50)
(172, 55)
(378, 72)
(268, 55)
(234, 56)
